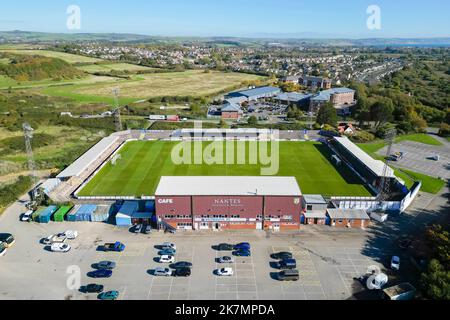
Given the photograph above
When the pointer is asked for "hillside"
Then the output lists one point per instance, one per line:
(35, 68)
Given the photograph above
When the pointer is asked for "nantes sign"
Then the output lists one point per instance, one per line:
(242, 206)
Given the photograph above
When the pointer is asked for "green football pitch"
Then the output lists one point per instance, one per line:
(141, 164)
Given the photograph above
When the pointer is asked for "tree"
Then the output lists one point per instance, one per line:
(381, 111)
(327, 114)
(436, 281)
(252, 121)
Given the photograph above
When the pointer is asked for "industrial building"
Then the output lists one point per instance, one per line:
(255, 94)
(341, 98)
(220, 203)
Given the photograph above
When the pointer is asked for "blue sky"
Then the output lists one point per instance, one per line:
(319, 18)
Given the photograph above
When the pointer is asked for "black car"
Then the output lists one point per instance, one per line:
(93, 288)
(282, 255)
(182, 272)
(181, 264)
(225, 247)
(102, 273)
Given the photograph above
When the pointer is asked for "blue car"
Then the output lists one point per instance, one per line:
(167, 252)
(100, 274)
(242, 253)
(110, 295)
(242, 246)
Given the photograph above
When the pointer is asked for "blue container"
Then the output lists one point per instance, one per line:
(47, 214)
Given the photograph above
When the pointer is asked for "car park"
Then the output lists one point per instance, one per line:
(226, 259)
(167, 252)
(395, 263)
(168, 245)
(162, 272)
(182, 272)
(92, 288)
(225, 247)
(106, 265)
(181, 264)
(242, 246)
(102, 273)
(242, 253)
(60, 247)
(110, 295)
(281, 255)
(167, 259)
(7, 239)
(26, 217)
(289, 275)
(225, 272)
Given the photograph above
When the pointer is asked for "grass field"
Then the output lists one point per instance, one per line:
(70, 58)
(142, 164)
(92, 68)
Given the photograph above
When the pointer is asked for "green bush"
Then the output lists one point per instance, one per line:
(12, 192)
(362, 137)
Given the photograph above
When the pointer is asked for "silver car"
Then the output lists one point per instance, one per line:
(163, 272)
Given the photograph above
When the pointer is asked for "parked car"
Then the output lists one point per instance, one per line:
(7, 239)
(281, 255)
(289, 275)
(167, 259)
(395, 263)
(167, 252)
(225, 247)
(60, 247)
(110, 295)
(242, 246)
(168, 245)
(288, 264)
(26, 217)
(92, 288)
(106, 265)
(162, 272)
(2, 249)
(138, 228)
(182, 272)
(117, 247)
(148, 229)
(226, 260)
(225, 272)
(242, 253)
(181, 264)
(70, 234)
(102, 273)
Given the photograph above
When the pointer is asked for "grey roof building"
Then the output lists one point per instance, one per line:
(256, 93)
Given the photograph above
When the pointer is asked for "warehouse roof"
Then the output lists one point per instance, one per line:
(376, 166)
(292, 96)
(356, 214)
(83, 162)
(228, 186)
(257, 92)
(230, 107)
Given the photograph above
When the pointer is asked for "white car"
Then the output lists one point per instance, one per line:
(26, 217)
(60, 247)
(226, 260)
(225, 272)
(167, 259)
(70, 234)
(395, 263)
(163, 272)
(168, 245)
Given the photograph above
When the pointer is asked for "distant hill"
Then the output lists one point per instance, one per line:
(304, 39)
(35, 68)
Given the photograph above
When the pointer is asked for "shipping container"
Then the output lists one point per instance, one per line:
(46, 215)
(60, 215)
(72, 216)
(85, 212)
